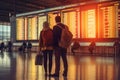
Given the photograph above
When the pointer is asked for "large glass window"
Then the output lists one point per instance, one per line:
(5, 31)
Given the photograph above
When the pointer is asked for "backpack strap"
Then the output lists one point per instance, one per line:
(59, 26)
(65, 27)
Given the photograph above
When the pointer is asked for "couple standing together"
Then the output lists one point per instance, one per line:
(49, 43)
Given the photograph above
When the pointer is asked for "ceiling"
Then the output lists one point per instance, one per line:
(22, 6)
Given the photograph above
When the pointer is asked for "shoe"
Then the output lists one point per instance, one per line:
(54, 75)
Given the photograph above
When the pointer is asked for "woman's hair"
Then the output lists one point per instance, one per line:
(45, 24)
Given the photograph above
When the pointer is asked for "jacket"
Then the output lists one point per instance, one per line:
(57, 34)
(46, 39)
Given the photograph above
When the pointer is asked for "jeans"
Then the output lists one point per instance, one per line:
(47, 54)
(60, 52)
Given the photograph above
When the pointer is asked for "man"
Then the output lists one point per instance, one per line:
(59, 51)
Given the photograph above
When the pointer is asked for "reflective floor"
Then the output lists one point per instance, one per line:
(21, 66)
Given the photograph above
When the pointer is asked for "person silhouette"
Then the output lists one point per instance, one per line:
(59, 52)
(46, 46)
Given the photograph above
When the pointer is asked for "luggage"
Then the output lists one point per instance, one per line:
(39, 59)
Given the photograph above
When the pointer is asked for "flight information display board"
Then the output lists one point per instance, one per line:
(100, 20)
(51, 18)
(70, 19)
(41, 19)
(88, 21)
(32, 28)
(20, 31)
(108, 22)
(91, 23)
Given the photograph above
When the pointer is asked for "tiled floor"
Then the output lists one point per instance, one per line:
(21, 66)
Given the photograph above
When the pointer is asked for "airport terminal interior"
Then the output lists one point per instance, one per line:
(94, 53)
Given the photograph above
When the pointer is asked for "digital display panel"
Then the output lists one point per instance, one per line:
(101, 20)
(70, 19)
(108, 19)
(51, 18)
(32, 28)
(108, 22)
(41, 19)
(91, 22)
(88, 23)
(20, 31)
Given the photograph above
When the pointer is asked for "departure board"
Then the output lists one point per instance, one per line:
(100, 20)
(108, 21)
(20, 28)
(41, 19)
(51, 19)
(69, 18)
(91, 23)
(88, 23)
(32, 28)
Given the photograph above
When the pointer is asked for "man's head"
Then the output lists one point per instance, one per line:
(58, 19)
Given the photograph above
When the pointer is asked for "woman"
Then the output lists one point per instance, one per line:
(46, 45)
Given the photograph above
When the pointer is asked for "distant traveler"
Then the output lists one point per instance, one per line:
(24, 46)
(9, 46)
(46, 46)
(117, 47)
(75, 46)
(92, 47)
(58, 50)
(29, 46)
(2, 46)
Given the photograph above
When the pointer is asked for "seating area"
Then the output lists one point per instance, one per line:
(101, 48)
(16, 46)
